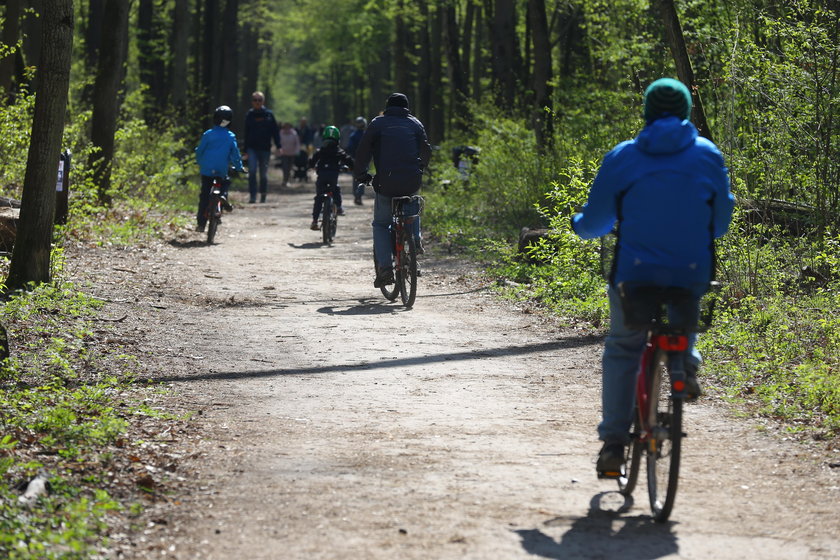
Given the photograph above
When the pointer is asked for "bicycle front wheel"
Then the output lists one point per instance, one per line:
(406, 270)
(632, 460)
(664, 444)
(390, 291)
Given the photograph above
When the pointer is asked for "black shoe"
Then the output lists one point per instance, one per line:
(384, 278)
(262, 197)
(226, 205)
(418, 243)
(610, 460)
(341, 211)
(252, 200)
(200, 228)
(357, 201)
(692, 385)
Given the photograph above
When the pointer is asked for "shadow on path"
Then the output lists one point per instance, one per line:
(604, 533)
(563, 344)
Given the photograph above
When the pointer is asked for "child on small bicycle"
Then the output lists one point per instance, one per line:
(215, 154)
(327, 162)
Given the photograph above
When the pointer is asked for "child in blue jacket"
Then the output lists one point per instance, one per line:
(215, 154)
(667, 194)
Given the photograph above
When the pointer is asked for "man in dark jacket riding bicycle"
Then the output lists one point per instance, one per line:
(397, 142)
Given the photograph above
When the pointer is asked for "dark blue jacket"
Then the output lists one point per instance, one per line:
(260, 129)
(397, 142)
(353, 142)
(668, 191)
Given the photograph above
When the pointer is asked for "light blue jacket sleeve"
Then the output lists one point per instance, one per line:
(600, 212)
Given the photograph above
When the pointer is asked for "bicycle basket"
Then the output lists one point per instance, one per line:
(407, 206)
(671, 308)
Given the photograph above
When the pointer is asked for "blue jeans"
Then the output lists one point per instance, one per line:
(257, 159)
(622, 351)
(358, 189)
(382, 229)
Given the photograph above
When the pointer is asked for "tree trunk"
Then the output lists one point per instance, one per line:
(424, 86)
(11, 34)
(106, 94)
(501, 18)
(457, 80)
(436, 123)
(673, 31)
(180, 44)
(400, 49)
(477, 61)
(31, 255)
(152, 69)
(543, 118)
(228, 69)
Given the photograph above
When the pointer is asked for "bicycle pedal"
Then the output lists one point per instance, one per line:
(609, 475)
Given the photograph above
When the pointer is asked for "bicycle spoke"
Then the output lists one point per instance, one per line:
(664, 445)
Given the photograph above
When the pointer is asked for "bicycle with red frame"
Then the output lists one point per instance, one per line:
(404, 211)
(668, 315)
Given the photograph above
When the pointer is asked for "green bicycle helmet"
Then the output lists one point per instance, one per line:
(331, 133)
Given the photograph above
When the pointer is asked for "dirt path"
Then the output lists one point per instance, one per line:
(334, 424)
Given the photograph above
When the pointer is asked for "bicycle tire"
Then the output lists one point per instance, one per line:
(664, 445)
(407, 270)
(333, 222)
(390, 291)
(632, 460)
(212, 226)
(326, 227)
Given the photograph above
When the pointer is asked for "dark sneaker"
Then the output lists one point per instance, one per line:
(692, 385)
(252, 200)
(419, 244)
(610, 460)
(199, 228)
(314, 225)
(357, 201)
(262, 197)
(226, 205)
(340, 211)
(384, 278)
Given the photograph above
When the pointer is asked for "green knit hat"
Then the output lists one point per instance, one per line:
(667, 96)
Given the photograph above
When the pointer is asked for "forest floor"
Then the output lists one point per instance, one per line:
(322, 421)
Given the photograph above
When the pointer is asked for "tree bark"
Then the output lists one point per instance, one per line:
(31, 254)
(11, 35)
(424, 86)
(106, 94)
(436, 124)
(543, 119)
(501, 18)
(228, 69)
(401, 64)
(457, 80)
(180, 44)
(676, 42)
(151, 46)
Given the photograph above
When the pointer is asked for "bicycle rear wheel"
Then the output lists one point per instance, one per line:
(665, 442)
(212, 225)
(326, 221)
(632, 460)
(406, 270)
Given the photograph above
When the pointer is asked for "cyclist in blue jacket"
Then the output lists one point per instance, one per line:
(216, 153)
(667, 194)
(397, 142)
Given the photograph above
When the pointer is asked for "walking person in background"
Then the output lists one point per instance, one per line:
(667, 194)
(289, 148)
(352, 144)
(307, 135)
(260, 130)
(399, 147)
(216, 153)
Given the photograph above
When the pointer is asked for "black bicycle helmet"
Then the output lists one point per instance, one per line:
(222, 115)
(361, 122)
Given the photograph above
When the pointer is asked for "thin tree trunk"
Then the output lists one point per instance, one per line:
(477, 62)
(436, 124)
(31, 253)
(180, 41)
(676, 42)
(400, 49)
(424, 87)
(106, 93)
(505, 57)
(456, 75)
(543, 119)
(11, 34)
(229, 71)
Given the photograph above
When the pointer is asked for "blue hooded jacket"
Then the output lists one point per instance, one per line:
(668, 189)
(217, 151)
